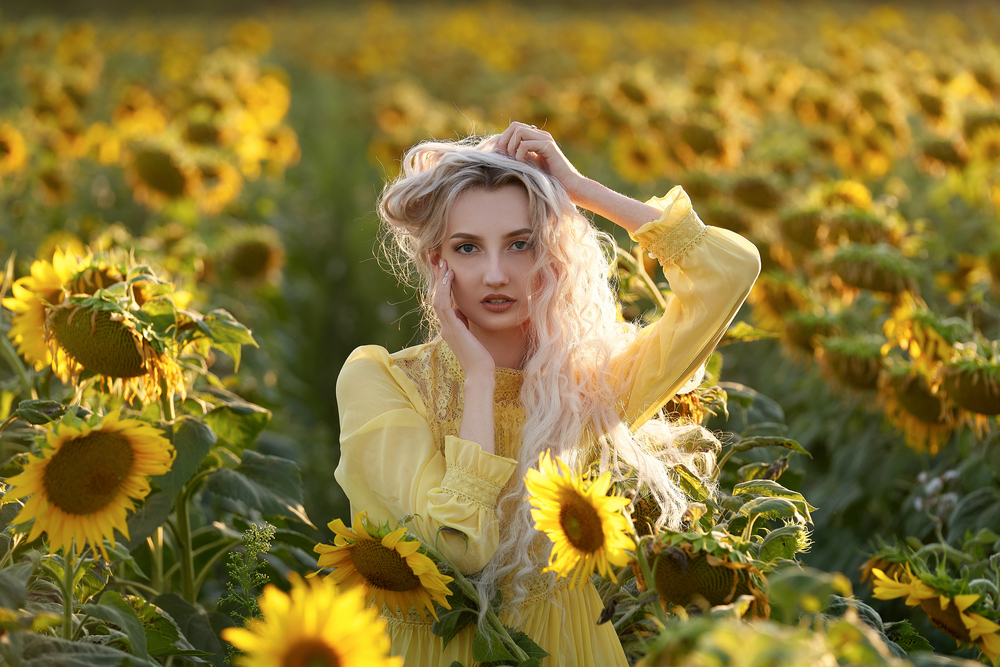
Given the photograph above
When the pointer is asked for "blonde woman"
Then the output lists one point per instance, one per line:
(528, 353)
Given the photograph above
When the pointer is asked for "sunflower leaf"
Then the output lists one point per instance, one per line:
(192, 439)
(771, 508)
(488, 647)
(195, 625)
(527, 644)
(452, 621)
(143, 522)
(770, 488)
(28, 649)
(756, 441)
(14, 585)
(238, 422)
(113, 609)
(270, 484)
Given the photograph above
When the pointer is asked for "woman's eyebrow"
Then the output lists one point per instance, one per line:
(473, 237)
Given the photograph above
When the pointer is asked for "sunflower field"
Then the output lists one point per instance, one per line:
(190, 253)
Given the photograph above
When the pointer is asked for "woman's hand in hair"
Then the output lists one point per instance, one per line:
(527, 143)
(475, 359)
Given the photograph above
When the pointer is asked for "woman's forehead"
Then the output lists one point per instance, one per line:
(485, 212)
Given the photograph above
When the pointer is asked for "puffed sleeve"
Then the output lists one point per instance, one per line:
(710, 271)
(391, 467)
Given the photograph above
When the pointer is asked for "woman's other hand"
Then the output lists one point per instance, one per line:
(471, 354)
(526, 143)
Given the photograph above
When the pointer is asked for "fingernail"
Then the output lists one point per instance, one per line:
(440, 263)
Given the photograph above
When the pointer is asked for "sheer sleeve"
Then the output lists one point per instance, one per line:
(710, 271)
(391, 467)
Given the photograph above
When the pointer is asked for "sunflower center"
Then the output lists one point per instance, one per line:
(311, 653)
(947, 620)
(581, 523)
(86, 473)
(159, 171)
(382, 568)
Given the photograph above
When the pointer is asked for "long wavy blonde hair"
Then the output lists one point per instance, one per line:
(568, 391)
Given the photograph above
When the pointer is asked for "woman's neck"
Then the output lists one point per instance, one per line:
(507, 347)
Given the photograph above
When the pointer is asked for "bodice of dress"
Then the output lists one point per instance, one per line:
(441, 382)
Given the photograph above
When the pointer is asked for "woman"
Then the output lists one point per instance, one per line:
(530, 354)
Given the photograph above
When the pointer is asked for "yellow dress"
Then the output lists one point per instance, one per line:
(400, 455)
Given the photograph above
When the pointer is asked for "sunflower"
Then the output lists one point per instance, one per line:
(854, 362)
(316, 624)
(911, 587)
(984, 149)
(158, 175)
(928, 338)
(88, 337)
(911, 405)
(637, 159)
(12, 151)
(33, 295)
(388, 563)
(84, 482)
(948, 614)
(221, 184)
(585, 524)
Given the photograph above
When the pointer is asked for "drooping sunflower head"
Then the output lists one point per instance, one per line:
(586, 525)
(854, 225)
(879, 268)
(928, 338)
(255, 254)
(85, 480)
(757, 192)
(913, 406)
(104, 338)
(853, 361)
(388, 563)
(316, 624)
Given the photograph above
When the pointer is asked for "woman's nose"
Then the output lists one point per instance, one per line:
(495, 274)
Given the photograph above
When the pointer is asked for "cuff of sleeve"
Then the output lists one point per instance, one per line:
(474, 474)
(676, 231)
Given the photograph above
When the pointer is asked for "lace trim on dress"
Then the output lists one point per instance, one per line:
(440, 381)
(678, 239)
(466, 482)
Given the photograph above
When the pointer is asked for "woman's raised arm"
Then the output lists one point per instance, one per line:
(527, 143)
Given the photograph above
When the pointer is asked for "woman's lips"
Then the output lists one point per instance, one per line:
(498, 303)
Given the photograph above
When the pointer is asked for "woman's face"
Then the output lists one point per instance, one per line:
(487, 246)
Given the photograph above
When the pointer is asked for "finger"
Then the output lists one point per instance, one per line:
(537, 146)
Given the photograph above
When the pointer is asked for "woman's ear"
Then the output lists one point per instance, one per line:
(434, 256)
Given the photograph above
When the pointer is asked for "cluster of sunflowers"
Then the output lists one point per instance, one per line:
(194, 134)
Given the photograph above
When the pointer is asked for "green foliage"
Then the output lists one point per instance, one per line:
(245, 578)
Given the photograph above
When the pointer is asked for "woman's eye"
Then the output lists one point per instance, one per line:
(520, 245)
(465, 248)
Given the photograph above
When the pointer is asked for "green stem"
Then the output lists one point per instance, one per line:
(156, 553)
(15, 361)
(649, 576)
(205, 571)
(184, 554)
(491, 618)
(128, 583)
(722, 462)
(69, 573)
(7, 421)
